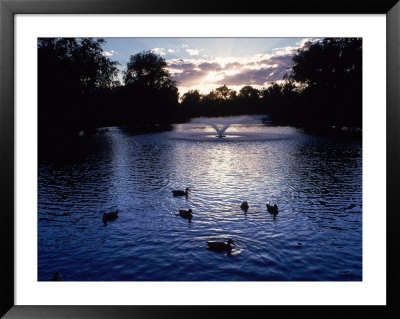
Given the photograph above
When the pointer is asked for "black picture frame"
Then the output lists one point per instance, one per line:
(9, 8)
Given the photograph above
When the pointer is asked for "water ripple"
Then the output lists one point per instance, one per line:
(316, 181)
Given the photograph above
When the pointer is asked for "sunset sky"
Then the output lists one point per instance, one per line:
(206, 63)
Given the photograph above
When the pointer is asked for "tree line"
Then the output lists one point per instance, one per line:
(79, 90)
(323, 87)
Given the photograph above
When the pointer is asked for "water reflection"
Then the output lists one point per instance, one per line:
(316, 182)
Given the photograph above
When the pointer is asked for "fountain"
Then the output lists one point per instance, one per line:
(219, 124)
(228, 129)
(220, 130)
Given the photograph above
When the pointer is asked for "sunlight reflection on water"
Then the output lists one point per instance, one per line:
(316, 182)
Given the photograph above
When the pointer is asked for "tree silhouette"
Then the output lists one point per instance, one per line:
(333, 62)
(148, 69)
(149, 91)
(191, 97)
(330, 74)
(223, 92)
(248, 100)
(190, 105)
(248, 92)
(71, 72)
(77, 64)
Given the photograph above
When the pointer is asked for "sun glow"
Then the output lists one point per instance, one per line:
(224, 64)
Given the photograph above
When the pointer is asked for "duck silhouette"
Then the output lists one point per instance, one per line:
(181, 193)
(57, 277)
(244, 206)
(272, 209)
(187, 214)
(109, 216)
(220, 246)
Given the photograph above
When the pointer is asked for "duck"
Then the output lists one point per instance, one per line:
(181, 193)
(109, 216)
(272, 209)
(57, 277)
(244, 206)
(187, 214)
(220, 246)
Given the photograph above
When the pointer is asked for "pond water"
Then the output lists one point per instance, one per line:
(316, 181)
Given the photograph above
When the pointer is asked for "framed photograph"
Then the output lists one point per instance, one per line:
(167, 159)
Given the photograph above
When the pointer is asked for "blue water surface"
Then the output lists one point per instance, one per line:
(315, 180)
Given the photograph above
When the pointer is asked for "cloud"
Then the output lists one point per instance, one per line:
(171, 50)
(257, 70)
(190, 77)
(304, 41)
(206, 66)
(108, 53)
(160, 51)
(181, 64)
(233, 65)
(186, 72)
(291, 50)
(258, 73)
(192, 51)
(250, 77)
(283, 59)
(258, 77)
